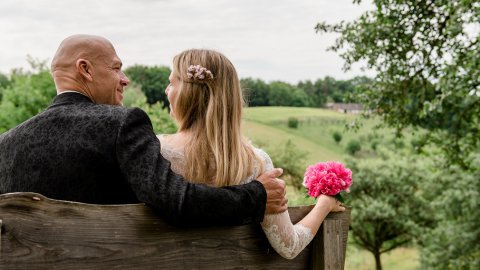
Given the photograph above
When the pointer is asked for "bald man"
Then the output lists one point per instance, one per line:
(85, 147)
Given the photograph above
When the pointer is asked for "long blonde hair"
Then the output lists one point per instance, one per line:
(211, 112)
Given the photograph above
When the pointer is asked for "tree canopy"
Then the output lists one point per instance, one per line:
(303, 94)
(26, 94)
(426, 57)
(388, 212)
(425, 54)
(153, 80)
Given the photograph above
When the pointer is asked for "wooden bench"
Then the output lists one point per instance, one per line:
(41, 233)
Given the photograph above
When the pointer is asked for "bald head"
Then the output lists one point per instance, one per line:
(88, 64)
(79, 46)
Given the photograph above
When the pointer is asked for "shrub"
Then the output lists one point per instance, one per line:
(337, 136)
(293, 122)
(287, 156)
(353, 147)
(133, 96)
(161, 121)
(398, 143)
(374, 144)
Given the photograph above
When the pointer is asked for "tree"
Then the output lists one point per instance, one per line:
(326, 87)
(284, 94)
(389, 210)
(256, 92)
(425, 54)
(27, 94)
(343, 89)
(299, 98)
(4, 82)
(316, 97)
(455, 242)
(161, 121)
(133, 96)
(153, 81)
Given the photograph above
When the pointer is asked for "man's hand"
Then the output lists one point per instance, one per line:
(276, 200)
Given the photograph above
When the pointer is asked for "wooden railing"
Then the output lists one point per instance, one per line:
(41, 233)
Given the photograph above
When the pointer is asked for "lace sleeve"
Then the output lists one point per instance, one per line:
(287, 239)
(175, 156)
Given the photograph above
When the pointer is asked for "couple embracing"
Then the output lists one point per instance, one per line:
(86, 147)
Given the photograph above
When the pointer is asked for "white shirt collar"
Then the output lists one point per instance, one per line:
(71, 91)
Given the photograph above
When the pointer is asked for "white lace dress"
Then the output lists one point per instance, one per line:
(287, 239)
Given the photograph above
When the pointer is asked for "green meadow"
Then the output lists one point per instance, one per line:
(268, 127)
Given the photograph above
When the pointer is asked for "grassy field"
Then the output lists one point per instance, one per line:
(268, 126)
(314, 133)
(398, 259)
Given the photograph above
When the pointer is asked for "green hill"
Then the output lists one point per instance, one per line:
(268, 125)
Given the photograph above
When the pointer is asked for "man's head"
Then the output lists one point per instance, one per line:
(90, 65)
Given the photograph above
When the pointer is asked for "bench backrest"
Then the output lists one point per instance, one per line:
(41, 233)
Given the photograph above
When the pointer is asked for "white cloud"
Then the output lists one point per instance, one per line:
(271, 40)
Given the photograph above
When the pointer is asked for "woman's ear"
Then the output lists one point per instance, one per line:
(84, 68)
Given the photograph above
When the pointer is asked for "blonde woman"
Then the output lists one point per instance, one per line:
(206, 101)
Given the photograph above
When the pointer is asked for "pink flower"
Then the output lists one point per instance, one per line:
(328, 178)
(197, 72)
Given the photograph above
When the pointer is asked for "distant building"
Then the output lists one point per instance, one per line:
(353, 108)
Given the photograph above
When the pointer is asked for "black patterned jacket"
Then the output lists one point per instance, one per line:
(80, 151)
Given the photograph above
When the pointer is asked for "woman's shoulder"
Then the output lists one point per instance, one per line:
(162, 137)
(168, 150)
(267, 161)
(167, 140)
(173, 154)
(261, 153)
(163, 140)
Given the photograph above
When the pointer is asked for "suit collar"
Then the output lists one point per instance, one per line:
(70, 98)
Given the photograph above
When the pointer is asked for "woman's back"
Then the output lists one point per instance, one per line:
(206, 101)
(287, 239)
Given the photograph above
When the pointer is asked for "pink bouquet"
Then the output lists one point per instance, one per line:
(328, 178)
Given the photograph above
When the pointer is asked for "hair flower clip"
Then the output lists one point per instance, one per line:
(197, 72)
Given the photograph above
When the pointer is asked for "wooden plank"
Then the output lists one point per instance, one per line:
(330, 244)
(40, 233)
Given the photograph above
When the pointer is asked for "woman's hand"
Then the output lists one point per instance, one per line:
(325, 204)
(332, 204)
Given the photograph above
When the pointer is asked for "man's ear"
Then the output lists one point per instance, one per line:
(84, 68)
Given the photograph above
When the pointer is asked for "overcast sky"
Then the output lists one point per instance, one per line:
(271, 40)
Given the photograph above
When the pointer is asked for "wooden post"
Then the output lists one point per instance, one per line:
(330, 245)
(0, 237)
